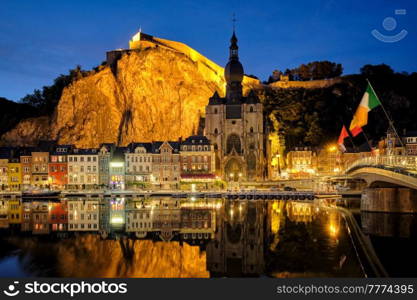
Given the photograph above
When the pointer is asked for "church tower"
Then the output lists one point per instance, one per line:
(234, 125)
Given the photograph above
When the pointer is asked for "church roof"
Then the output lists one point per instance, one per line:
(157, 145)
(251, 98)
(196, 140)
(132, 146)
(216, 99)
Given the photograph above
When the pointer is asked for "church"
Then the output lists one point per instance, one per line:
(235, 126)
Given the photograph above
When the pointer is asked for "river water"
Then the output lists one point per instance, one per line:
(244, 238)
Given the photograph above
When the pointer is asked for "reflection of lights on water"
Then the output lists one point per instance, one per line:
(333, 230)
(193, 198)
(231, 212)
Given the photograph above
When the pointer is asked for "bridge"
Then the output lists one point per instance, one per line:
(391, 180)
(377, 170)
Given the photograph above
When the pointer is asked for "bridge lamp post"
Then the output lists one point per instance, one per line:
(334, 149)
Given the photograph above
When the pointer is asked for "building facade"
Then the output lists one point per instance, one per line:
(4, 177)
(39, 166)
(104, 155)
(58, 166)
(14, 172)
(83, 168)
(166, 164)
(411, 143)
(117, 169)
(301, 162)
(26, 162)
(138, 161)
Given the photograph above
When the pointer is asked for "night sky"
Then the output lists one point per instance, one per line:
(42, 39)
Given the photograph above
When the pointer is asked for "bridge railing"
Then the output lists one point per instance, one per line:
(400, 162)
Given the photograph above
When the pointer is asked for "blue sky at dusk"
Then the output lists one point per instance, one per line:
(42, 39)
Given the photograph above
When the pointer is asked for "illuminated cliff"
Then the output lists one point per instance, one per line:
(158, 91)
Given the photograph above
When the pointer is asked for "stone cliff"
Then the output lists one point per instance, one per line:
(157, 93)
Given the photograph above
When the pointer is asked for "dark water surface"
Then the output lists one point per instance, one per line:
(394, 238)
(247, 238)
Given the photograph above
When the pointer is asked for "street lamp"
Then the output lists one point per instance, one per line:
(332, 148)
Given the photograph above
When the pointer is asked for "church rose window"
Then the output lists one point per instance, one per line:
(233, 141)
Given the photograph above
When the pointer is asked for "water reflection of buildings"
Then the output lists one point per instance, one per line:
(238, 245)
(167, 218)
(389, 225)
(300, 212)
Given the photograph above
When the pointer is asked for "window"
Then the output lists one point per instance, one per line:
(215, 110)
(216, 131)
(251, 109)
(251, 130)
(233, 142)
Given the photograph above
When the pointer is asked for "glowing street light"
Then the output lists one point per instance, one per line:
(332, 148)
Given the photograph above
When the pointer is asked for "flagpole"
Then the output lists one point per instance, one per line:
(366, 138)
(351, 140)
(391, 123)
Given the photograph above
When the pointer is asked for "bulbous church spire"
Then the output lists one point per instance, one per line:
(233, 72)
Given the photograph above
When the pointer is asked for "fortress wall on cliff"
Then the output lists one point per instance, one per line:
(312, 84)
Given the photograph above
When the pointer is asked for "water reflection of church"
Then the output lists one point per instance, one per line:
(235, 126)
(238, 246)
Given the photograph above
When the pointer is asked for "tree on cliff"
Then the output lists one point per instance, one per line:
(12, 113)
(314, 117)
(47, 99)
(316, 70)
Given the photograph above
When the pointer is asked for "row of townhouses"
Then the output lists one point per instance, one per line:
(160, 164)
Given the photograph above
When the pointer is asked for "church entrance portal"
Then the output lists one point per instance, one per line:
(233, 170)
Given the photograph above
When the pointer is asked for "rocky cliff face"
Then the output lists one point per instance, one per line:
(156, 94)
